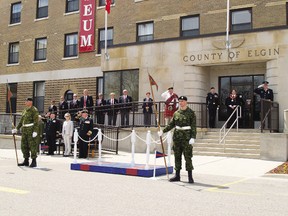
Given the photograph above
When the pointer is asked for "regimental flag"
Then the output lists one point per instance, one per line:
(160, 154)
(9, 93)
(152, 81)
(108, 5)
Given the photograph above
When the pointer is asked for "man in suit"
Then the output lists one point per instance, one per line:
(126, 106)
(63, 107)
(100, 102)
(112, 109)
(86, 101)
(147, 109)
(74, 106)
(52, 107)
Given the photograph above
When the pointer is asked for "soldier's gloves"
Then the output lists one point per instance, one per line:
(261, 86)
(160, 133)
(14, 131)
(191, 141)
(34, 134)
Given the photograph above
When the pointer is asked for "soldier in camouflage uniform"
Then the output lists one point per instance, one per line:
(29, 125)
(184, 122)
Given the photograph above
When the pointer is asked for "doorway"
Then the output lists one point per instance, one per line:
(244, 85)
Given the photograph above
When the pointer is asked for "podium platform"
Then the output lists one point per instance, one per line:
(121, 168)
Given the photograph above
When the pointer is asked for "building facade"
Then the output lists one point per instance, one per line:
(179, 43)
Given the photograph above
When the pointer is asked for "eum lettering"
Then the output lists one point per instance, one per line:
(231, 55)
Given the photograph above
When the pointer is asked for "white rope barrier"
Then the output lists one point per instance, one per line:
(116, 139)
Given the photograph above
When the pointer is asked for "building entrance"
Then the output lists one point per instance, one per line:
(244, 85)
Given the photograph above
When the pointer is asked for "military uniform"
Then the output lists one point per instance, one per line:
(29, 124)
(52, 129)
(212, 102)
(85, 131)
(184, 122)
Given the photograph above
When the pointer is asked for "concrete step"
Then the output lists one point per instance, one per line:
(241, 155)
(227, 150)
(235, 146)
(230, 141)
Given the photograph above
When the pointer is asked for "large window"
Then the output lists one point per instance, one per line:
(145, 31)
(42, 9)
(12, 96)
(103, 2)
(101, 38)
(119, 80)
(241, 20)
(40, 49)
(13, 53)
(71, 45)
(72, 5)
(16, 13)
(39, 95)
(287, 13)
(190, 26)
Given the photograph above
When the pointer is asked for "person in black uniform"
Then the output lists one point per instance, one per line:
(100, 114)
(147, 109)
(112, 109)
(85, 131)
(231, 104)
(52, 130)
(267, 94)
(63, 107)
(212, 102)
(126, 106)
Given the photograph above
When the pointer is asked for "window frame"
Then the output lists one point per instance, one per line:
(37, 99)
(41, 10)
(36, 57)
(75, 46)
(109, 42)
(10, 60)
(233, 26)
(197, 31)
(13, 18)
(138, 37)
(72, 2)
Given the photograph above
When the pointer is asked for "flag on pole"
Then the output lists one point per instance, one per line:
(108, 5)
(9, 93)
(152, 82)
(160, 154)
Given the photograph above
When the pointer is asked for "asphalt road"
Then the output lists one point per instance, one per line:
(219, 189)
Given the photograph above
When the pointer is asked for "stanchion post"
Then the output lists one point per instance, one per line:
(75, 145)
(133, 140)
(100, 146)
(148, 143)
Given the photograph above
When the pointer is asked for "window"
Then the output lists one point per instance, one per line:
(39, 95)
(287, 13)
(103, 2)
(16, 13)
(72, 5)
(241, 20)
(117, 81)
(100, 86)
(42, 9)
(145, 31)
(101, 39)
(13, 53)
(71, 45)
(40, 49)
(13, 98)
(190, 26)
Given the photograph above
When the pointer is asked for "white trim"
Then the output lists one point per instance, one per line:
(13, 64)
(39, 61)
(70, 13)
(69, 58)
(40, 19)
(52, 75)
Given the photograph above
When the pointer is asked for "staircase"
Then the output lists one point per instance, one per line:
(242, 144)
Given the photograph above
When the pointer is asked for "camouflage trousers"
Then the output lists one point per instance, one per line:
(183, 147)
(28, 143)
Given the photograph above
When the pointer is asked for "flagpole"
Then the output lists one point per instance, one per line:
(13, 126)
(106, 23)
(228, 25)
(158, 125)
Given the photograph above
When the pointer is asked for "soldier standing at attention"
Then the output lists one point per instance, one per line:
(212, 102)
(29, 125)
(184, 122)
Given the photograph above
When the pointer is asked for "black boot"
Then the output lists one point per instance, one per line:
(190, 178)
(33, 163)
(25, 162)
(176, 177)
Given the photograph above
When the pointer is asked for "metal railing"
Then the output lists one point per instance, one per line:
(223, 132)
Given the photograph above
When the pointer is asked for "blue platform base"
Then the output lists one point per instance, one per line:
(121, 168)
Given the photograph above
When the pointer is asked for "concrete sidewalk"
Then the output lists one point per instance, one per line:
(237, 167)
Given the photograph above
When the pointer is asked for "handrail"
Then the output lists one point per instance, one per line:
(225, 133)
